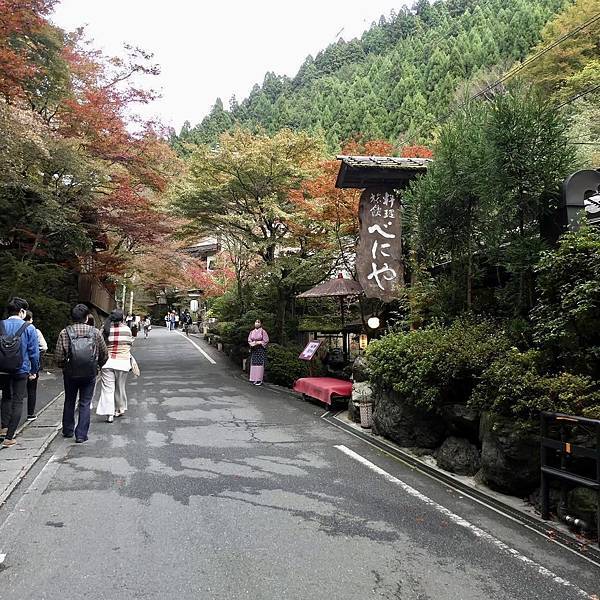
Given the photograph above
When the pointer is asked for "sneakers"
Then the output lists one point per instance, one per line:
(8, 443)
(110, 419)
(258, 383)
(80, 440)
(32, 417)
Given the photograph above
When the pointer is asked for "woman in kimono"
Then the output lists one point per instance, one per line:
(113, 399)
(258, 340)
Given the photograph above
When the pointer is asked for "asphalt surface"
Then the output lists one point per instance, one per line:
(212, 488)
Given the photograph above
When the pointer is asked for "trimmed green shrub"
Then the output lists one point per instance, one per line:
(438, 365)
(236, 332)
(518, 386)
(284, 366)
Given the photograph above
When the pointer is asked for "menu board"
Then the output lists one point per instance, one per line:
(309, 352)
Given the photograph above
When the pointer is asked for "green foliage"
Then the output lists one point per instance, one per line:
(50, 289)
(483, 204)
(567, 316)
(437, 365)
(517, 386)
(284, 366)
(236, 332)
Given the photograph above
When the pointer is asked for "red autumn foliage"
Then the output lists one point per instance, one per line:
(416, 152)
(21, 22)
(320, 204)
(212, 283)
(368, 148)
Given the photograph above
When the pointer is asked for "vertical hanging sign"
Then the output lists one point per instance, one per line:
(379, 257)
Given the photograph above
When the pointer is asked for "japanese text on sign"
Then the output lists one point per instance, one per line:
(380, 268)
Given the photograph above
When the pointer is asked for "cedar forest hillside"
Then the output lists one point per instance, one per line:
(396, 82)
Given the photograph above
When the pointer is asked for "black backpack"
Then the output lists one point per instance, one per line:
(82, 358)
(11, 357)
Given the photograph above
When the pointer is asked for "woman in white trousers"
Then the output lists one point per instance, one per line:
(113, 376)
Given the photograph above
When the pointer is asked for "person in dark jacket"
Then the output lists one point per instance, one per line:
(14, 384)
(84, 387)
(33, 383)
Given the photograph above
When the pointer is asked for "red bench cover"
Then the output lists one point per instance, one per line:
(323, 388)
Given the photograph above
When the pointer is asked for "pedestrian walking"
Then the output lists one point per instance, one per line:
(32, 383)
(134, 326)
(258, 341)
(19, 361)
(80, 352)
(187, 322)
(147, 326)
(113, 396)
(175, 321)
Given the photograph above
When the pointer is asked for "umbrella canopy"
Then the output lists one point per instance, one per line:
(334, 288)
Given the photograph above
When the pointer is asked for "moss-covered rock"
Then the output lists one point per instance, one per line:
(404, 424)
(510, 456)
(458, 455)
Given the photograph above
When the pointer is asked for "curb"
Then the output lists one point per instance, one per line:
(546, 529)
(38, 453)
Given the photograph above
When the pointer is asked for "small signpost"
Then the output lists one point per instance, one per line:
(309, 353)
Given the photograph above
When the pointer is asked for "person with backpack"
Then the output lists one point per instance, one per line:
(33, 383)
(80, 352)
(113, 397)
(19, 362)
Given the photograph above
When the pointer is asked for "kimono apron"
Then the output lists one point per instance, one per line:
(258, 354)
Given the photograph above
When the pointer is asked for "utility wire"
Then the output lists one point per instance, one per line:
(541, 53)
(526, 63)
(580, 95)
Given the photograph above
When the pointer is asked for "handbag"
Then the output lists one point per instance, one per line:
(135, 369)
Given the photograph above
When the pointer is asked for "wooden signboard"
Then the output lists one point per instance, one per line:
(379, 257)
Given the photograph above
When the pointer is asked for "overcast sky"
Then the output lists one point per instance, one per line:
(217, 48)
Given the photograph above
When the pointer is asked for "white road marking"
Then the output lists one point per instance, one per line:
(2, 558)
(208, 358)
(473, 498)
(480, 533)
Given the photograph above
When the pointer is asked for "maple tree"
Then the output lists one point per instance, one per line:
(82, 179)
(22, 23)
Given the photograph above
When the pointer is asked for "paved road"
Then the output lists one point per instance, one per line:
(214, 489)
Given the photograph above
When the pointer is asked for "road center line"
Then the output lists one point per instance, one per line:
(480, 533)
(208, 358)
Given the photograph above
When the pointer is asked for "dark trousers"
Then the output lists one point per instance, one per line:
(32, 395)
(85, 389)
(14, 389)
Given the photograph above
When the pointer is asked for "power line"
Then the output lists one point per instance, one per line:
(541, 53)
(530, 60)
(580, 95)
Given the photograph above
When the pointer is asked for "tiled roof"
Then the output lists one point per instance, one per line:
(361, 172)
(387, 162)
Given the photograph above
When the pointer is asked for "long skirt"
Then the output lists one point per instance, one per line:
(258, 360)
(113, 398)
